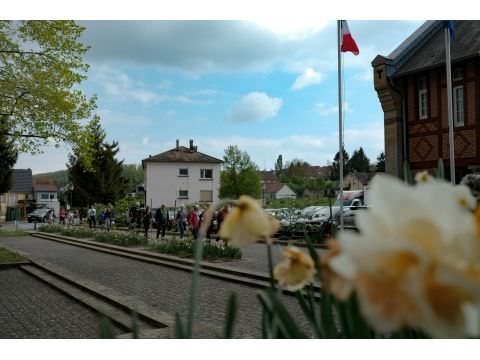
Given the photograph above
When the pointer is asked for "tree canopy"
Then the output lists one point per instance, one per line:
(41, 66)
(239, 175)
(103, 183)
(335, 167)
(380, 162)
(359, 161)
(8, 158)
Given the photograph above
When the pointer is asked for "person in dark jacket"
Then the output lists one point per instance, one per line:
(147, 218)
(161, 217)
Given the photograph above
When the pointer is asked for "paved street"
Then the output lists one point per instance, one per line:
(165, 288)
(31, 309)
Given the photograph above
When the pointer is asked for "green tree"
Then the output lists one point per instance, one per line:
(239, 175)
(8, 158)
(133, 174)
(41, 66)
(359, 161)
(279, 165)
(335, 168)
(103, 182)
(297, 168)
(380, 162)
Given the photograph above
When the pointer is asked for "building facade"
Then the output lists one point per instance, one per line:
(46, 194)
(411, 86)
(181, 176)
(19, 200)
(278, 190)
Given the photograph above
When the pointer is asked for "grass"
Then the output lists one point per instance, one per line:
(11, 233)
(186, 248)
(7, 256)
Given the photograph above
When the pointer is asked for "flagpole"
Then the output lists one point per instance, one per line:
(450, 105)
(340, 113)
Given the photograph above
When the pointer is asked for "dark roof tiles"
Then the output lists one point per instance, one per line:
(182, 154)
(22, 181)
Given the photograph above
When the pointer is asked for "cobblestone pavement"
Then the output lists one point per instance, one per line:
(32, 309)
(162, 287)
(254, 257)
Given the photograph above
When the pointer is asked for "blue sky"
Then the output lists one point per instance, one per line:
(270, 88)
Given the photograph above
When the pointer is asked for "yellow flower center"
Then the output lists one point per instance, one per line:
(463, 202)
(477, 221)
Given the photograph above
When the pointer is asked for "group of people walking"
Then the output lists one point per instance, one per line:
(105, 219)
(182, 220)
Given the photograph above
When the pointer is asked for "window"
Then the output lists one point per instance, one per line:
(52, 196)
(44, 196)
(422, 99)
(458, 74)
(183, 194)
(183, 172)
(458, 117)
(206, 195)
(206, 174)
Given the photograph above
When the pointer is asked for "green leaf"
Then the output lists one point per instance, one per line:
(440, 169)
(407, 173)
(106, 329)
(326, 315)
(179, 332)
(231, 315)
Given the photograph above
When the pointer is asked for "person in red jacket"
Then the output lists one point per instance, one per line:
(194, 221)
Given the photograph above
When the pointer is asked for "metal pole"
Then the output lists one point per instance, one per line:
(450, 105)
(340, 113)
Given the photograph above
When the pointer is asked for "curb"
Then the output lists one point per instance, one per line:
(249, 278)
(14, 264)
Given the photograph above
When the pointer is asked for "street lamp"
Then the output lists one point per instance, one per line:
(71, 187)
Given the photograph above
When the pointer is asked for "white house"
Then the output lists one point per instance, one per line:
(278, 190)
(46, 194)
(181, 176)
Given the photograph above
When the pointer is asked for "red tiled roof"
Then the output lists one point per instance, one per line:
(44, 184)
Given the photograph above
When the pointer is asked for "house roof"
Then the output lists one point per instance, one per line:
(274, 187)
(22, 181)
(182, 154)
(425, 47)
(268, 175)
(315, 171)
(44, 184)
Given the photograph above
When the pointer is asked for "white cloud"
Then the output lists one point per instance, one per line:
(119, 84)
(307, 78)
(230, 46)
(328, 110)
(255, 106)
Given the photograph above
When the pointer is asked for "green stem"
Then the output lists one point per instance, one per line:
(193, 290)
(270, 265)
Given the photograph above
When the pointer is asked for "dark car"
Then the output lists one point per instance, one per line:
(39, 215)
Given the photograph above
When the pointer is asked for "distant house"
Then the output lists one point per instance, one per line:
(181, 176)
(277, 190)
(19, 201)
(46, 193)
(357, 180)
(318, 171)
(268, 176)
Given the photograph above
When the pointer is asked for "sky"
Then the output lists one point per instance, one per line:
(269, 87)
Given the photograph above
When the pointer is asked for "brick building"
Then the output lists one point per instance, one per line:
(411, 86)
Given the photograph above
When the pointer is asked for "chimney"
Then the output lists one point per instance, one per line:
(191, 144)
(178, 143)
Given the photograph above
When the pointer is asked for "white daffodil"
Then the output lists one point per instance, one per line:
(416, 260)
(247, 224)
(295, 270)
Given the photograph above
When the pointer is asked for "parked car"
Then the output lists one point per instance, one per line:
(40, 215)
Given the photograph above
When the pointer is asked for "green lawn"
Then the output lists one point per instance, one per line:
(7, 256)
(10, 233)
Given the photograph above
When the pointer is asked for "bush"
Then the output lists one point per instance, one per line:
(186, 248)
(130, 239)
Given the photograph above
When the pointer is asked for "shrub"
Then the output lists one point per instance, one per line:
(186, 248)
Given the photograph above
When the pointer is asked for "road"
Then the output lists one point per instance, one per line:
(161, 287)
